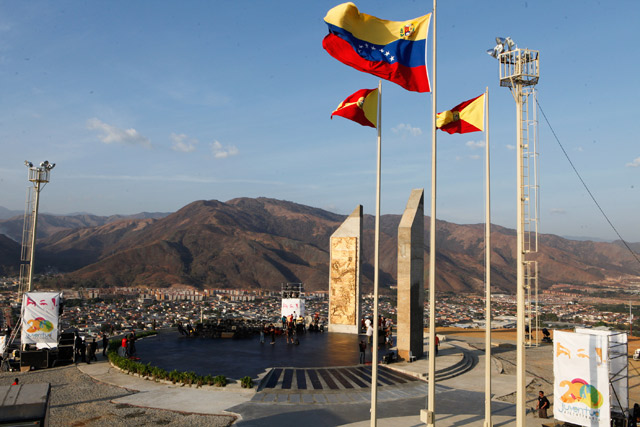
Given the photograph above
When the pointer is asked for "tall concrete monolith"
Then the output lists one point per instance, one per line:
(344, 275)
(411, 277)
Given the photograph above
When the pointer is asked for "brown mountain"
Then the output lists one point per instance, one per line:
(9, 256)
(50, 224)
(260, 243)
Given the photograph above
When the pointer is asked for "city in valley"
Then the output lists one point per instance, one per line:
(95, 310)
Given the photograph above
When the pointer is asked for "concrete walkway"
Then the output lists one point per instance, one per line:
(206, 400)
(459, 400)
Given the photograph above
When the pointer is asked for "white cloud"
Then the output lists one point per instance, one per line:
(475, 144)
(407, 128)
(510, 147)
(222, 152)
(634, 164)
(556, 211)
(474, 156)
(111, 134)
(180, 143)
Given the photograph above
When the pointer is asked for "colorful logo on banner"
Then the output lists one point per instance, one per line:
(581, 371)
(39, 324)
(581, 392)
(40, 312)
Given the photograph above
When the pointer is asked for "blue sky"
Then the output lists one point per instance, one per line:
(148, 106)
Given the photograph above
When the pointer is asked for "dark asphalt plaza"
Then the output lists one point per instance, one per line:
(236, 358)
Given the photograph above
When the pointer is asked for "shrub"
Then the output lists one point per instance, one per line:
(174, 376)
(246, 382)
(220, 381)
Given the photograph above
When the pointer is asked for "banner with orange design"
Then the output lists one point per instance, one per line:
(618, 367)
(581, 379)
(40, 312)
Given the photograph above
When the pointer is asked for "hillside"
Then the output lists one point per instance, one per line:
(261, 243)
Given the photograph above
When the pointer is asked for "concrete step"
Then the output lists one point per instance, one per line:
(469, 360)
(344, 378)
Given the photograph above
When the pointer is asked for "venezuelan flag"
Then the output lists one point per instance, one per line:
(392, 50)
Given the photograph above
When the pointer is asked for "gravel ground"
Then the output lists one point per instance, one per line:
(78, 400)
(539, 362)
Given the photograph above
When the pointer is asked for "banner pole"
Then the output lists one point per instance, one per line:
(376, 275)
(431, 395)
(487, 270)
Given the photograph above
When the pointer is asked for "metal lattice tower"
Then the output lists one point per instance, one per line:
(39, 177)
(530, 211)
(519, 71)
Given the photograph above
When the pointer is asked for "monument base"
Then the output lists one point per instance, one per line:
(344, 329)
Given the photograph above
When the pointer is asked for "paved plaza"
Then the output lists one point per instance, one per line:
(335, 395)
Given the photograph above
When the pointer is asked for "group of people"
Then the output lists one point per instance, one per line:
(187, 331)
(385, 328)
(292, 326)
(85, 350)
(128, 345)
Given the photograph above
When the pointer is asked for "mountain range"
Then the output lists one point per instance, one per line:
(260, 243)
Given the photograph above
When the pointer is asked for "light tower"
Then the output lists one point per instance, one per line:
(39, 176)
(519, 71)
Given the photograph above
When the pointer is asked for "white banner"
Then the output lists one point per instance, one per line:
(3, 343)
(291, 305)
(40, 312)
(581, 379)
(618, 367)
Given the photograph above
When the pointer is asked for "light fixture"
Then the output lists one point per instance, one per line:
(503, 44)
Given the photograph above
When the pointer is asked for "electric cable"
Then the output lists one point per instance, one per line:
(585, 185)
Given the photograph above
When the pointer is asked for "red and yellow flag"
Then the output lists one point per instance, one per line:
(361, 107)
(463, 118)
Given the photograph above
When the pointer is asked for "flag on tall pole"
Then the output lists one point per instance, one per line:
(392, 50)
(365, 107)
(361, 107)
(469, 116)
(465, 117)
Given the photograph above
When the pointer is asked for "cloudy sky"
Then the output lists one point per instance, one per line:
(148, 106)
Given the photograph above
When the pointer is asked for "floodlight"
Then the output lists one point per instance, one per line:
(28, 164)
(503, 44)
(510, 43)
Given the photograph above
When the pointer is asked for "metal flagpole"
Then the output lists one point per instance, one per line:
(487, 271)
(376, 275)
(521, 388)
(429, 419)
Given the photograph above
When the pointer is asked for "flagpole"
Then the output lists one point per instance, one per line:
(376, 275)
(431, 394)
(487, 271)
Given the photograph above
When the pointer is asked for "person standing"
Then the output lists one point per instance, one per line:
(105, 344)
(132, 340)
(370, 334)
(437, 344)
(289, 333)
(91, 350)
(272, 331)
(125, 349)
(543, 405)
(76, 346)
(83, 351)
(363, 347)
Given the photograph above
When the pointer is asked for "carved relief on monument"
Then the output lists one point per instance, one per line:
(344, 263)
